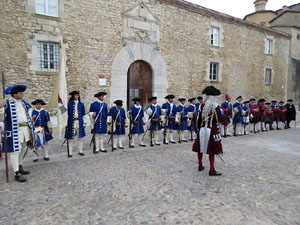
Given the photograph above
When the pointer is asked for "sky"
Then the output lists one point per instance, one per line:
(240, 8)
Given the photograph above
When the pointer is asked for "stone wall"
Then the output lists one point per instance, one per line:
(92, 33)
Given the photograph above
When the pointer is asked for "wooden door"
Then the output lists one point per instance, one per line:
(139, 82)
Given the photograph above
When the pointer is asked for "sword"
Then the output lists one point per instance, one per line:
(63, 142)
(222, 159)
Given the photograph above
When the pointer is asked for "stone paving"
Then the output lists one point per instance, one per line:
(161, 185)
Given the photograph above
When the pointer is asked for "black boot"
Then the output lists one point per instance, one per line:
(214, 173)
(81, 154)
(19, 177)
(200, 168)
(22, 171)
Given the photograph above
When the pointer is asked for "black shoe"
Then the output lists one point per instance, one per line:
(214, 173)
(19, 177)
(200, 168)
(131, 146)
(70, 156)
(173, 142)
(166, 143)
(96, 152)
(157, 144)
(121, 147)
(22, 171)
(104, 151)
(278, 129)
(185, 140)
(143, 145)
(81, 154)
(113, 149)
(46, 159)
(35, 160)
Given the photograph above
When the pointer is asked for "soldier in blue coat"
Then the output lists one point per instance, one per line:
(238, 116)
(181, 119)
(170, 112)
(19, 129)
(98, 114)
(42, 129)
(136, 113)
(198, 107)
(192, 118)
(246, 117)
(154, 112)
(118, 117)
(77, 122)
(227, 110)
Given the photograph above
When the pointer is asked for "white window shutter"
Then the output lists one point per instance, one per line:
(41, 6)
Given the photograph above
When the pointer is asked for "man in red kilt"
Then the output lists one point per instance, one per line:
(209, 139)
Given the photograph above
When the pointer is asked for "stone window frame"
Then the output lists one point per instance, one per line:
(33, 56)
(221, 32)
(271, 75)
(31, 8)
(219, 75)
(269, 38)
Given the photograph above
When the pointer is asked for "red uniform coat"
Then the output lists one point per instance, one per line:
(214, 147)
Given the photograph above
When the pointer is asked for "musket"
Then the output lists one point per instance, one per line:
(130, 130)
(68, 149)
(165, 129)
(112, 135)
(4, 131)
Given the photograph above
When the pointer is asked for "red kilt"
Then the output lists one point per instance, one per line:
(214, 147)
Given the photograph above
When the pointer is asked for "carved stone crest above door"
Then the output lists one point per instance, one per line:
(140, 25)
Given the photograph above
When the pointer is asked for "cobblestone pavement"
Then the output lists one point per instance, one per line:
(161, 185)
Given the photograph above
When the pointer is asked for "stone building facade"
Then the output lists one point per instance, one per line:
(150, 47)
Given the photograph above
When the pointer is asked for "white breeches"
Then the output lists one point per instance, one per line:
(118, 140)
(140, 137)
(99, 139)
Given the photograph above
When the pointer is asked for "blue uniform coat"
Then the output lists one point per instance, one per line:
(193, 109)
(183, 123)
(119, 118)
(137, 115)
(101, 126)
(156, 113)
(13, 144)
(71, 114)
(171, 114)
(238, 117)
(41, 120)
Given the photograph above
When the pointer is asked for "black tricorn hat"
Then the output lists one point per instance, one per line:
(192, 99)
(38, 101)
(181, 99)
(101, 93)
(136, 99)
(252, 99)
(274, 101)
(290, 100)
(200, 98)
(170, 97)
(72, 93)
(261, 100)
(245, 102)
(281, 102)
(15, 89)
(119, 102)
(239, 97)
(211, 90)
(152, 98)
(268, 103)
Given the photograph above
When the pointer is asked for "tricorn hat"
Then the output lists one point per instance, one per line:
(239, 97)
(290, 100)
(181, 99)
(268, 103)
(281, 102)
(261, 100)
(273, 101)
(136, 99)
(38, 101)
(211, 90)
(101, 93)
(200, 98)
(152, 98)
(72, 93)
(252, 99)
(170, 97)
(245, 102)
(15, 89)
(119, 102)
(192, 99)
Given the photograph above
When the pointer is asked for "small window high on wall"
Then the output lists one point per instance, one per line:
(268, 76)
(48, 56)
(214, 36)
(214, 71)
(47, 7)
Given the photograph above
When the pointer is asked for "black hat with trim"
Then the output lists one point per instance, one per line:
(211, 90)
(170, 97)
(181, 99)
(152, 98)
(72, 93)
(38, 101)
(136, 99)
(119, 102)
(200, 98)
(192, 99)
(101, 93)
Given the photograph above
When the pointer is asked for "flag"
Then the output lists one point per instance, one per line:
(59, 98)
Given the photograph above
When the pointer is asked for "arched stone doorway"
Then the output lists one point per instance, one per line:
(122, 62)
(139, 82)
